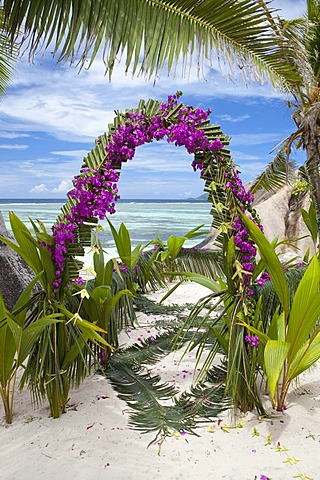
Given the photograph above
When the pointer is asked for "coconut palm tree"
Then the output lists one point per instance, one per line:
(304, 35)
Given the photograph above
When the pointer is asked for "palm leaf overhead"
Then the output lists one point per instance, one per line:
(151, 34)
(7, 55)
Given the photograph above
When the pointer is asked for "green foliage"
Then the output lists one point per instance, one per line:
(150, 307)
(272, 263)
(310, 219)
(219, 330)
(300, 187)
(8, 55)
(55, 352)
(146, 395)
(275, 176)
(291, 344)
(203, 261)
(169, 251)
(151, 36)
(35, 255)
(99, 302)
(122, 240)
(16, 343)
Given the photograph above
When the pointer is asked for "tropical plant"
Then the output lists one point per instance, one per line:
(304, 36)
(8, 55)
(17, 340)
(99, 304)
(291, 343)
(135, 266)
(167, 252)
(145, 394)
(57, 358)
(152, 35)
(219, 331)
(122, 239)
(310, 219)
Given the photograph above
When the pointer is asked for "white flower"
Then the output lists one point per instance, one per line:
(76, 318)
(83, 293)
(87, 273)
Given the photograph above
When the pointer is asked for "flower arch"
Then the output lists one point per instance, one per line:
(95, 191)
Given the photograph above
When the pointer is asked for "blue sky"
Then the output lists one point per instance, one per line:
(52, 114)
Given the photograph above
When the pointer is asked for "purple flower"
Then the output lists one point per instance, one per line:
(95, 191)
(252, 341)
(102, 358)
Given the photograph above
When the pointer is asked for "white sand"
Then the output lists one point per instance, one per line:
(92, 440)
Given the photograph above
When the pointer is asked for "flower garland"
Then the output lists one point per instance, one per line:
(95, 191)
(241, 236)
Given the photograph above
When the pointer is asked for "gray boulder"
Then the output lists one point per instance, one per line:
(15, 274)
(280, 214)
(281, 217)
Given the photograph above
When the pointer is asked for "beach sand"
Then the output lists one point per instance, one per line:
(92, 439)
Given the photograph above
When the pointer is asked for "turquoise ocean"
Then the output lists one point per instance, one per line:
(145, 219)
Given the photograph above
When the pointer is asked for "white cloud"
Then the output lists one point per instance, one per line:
(13, 135)
(8, 179)
(252, 168)
(63, 187)
(78, 107)
(160, 187)
(71, 153)
(12, 146)
(230, 118)
(160, 157)
(39, 188)
(289, 9)
(237, 155)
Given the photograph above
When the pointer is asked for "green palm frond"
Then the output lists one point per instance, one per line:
(196, 260)
(151, 34)
(147, 352)
(145, 394)
(303, 174)
(151, 307)
(276, 175)
(312, 36)
(207, 399)
(8, 53)
(203, 330)
(148, 277)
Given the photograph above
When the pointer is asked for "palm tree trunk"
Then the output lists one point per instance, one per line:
(312, 146)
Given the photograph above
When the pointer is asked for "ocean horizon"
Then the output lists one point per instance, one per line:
(144, 218)
(16, 201)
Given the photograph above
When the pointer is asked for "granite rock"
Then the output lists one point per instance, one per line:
(15, 274)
